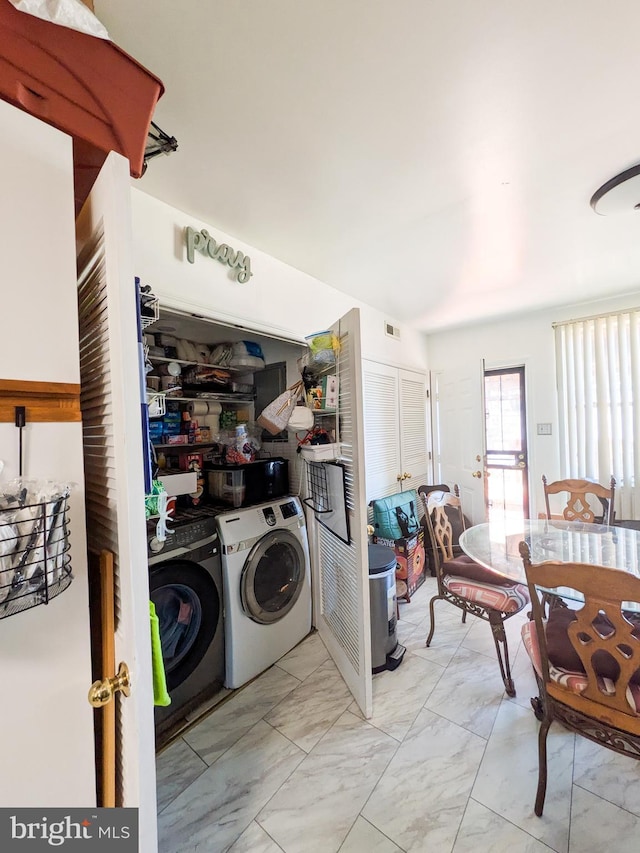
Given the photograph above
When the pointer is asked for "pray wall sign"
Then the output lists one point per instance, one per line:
(204, 243)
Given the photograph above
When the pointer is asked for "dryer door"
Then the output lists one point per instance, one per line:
(189, 610)
(273, 577)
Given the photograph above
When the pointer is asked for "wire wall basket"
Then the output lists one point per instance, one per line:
(35, 564)
(318, 488)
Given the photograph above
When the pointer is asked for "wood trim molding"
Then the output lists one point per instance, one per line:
(45, 402)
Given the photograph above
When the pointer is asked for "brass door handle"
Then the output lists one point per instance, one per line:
(406, 476)
(399, 478)
(477, 474)
(102, 692)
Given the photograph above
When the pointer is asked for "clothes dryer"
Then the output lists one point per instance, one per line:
(267, 585)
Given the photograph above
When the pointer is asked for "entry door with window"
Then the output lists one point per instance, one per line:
(506, 468)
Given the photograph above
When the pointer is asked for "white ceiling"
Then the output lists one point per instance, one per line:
(433, 158)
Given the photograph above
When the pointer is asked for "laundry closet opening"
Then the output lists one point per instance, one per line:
(230, 578)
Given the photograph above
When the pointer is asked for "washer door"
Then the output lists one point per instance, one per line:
(272, 577)
(188, 608)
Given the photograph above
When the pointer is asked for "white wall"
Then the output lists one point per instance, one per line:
(45, 665)
(277, 298)
(527, 340)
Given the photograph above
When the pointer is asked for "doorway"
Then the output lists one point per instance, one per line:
(506, 468)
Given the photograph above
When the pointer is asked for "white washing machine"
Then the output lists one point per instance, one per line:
(266, 583)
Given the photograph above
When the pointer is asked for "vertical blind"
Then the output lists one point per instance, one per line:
(598, 365)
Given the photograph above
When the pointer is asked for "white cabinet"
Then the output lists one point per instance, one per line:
(395, 427)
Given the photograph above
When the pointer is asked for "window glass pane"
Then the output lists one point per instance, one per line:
(503, 411)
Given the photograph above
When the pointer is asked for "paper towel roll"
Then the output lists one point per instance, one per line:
(198, 408)
(214, 408)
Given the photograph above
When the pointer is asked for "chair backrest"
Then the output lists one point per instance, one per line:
(441, 508)
(577, 507)
(603, 636)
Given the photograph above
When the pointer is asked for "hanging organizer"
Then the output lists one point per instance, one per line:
(318, 488)
(35, 563)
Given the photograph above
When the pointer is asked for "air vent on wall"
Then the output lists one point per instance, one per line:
(392, 331)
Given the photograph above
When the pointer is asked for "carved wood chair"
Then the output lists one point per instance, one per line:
(466, 584)
(586, 661)
(577, 507)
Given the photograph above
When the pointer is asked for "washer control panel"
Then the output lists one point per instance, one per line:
(184, 534)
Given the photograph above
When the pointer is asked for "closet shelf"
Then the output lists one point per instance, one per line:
(158, 359)
(214, 396)
(184, 447)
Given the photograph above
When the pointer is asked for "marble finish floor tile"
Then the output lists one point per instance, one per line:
(480, 679)
(449, 634)
(365, 838)
(176, 768)
(480, 638)
(421, 798)
(211, 703)
(508, 776)
(255, 840)
(398, 696)
(305, 658)
(217, 808)
(312, 708)
(607, 774)
(461, 777)
(483, 830)
(597, 825)
(227, 724)
(317, 806)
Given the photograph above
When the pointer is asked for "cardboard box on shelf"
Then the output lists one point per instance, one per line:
(324, 395)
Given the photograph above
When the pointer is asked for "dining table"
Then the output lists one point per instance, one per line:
(496, 545)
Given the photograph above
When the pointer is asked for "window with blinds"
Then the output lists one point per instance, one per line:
(598, 370)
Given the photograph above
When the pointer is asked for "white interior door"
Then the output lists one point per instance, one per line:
(341, 579)
(45, 652)
(111, 400)
(460, 435)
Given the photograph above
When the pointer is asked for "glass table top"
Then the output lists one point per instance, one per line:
(496, 545)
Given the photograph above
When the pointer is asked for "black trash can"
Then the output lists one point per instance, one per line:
(386, 652)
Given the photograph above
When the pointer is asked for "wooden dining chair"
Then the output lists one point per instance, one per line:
(466, 584)
(586, 661)
(577, 507)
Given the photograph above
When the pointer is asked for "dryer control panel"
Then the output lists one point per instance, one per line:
(269, 516)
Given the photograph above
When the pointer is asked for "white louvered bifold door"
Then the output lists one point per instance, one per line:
(414, 454)
(111, 414)
(341, 576)
(382, 447)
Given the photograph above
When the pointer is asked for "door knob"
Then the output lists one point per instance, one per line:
(477, 474)
(102, 692)
(399, 478)
(406, 476)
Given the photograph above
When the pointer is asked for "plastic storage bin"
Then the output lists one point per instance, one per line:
(227, 486)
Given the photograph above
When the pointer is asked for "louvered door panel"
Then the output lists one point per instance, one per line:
(382, 448)
(413, 427)
(113, 454)
(341, 589)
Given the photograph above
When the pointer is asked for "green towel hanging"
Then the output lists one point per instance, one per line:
(160, 694)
